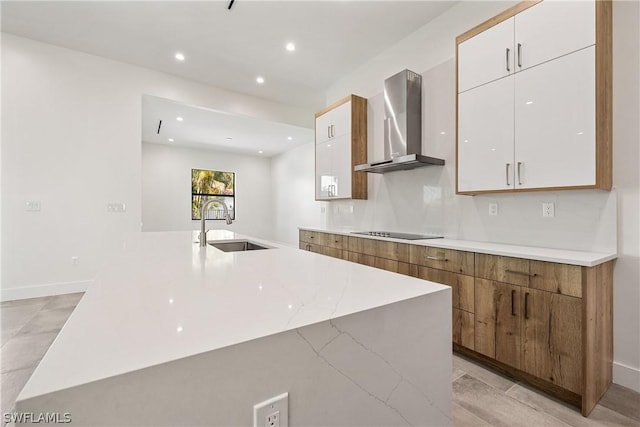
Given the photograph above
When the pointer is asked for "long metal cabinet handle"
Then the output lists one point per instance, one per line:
(519, 177)
(333, 131)
(522, 273)
(507, 57)
(507, 173)
(526, 305)
(519, 55)
(435, 258)
(513, 296)
(328, 131)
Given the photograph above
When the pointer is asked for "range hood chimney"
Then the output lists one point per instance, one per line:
(402, 126)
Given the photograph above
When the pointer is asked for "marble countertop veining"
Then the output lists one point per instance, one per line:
(162, 297)
(582, 258)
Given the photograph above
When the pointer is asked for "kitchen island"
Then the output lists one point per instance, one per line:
(175, 334)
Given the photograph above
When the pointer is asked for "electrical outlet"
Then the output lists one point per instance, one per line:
(75, 260)
(493, 209)
(116, 207)
(548, 210)
(273, 412)
(32, 206)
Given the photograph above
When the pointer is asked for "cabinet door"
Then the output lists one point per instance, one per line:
(340, 152)
(463, 323)
(552, 29)
(552, 338)
(341, 120)
(323, 131)
(325, 178)
(486, 57)
(485, 137)
(555, 123)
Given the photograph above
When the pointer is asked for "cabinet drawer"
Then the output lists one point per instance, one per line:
(557, 278)
(442, 259)
(311, 247)
(503, 269)
(380, 248)
(331, 240)
(332, 252)
(308, 236)
(463, 328)
(462, 287)
(361, 258)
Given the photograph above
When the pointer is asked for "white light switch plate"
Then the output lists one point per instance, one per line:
(32, 206)
(116, 207)
(493, 209)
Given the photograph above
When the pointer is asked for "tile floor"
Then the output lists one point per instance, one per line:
(480, 397)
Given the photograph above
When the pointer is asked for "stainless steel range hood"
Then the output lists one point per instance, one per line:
(402, 126)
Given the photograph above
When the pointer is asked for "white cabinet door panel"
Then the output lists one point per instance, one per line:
(341, 165)
(485, 137)
(555, 122)
(553, 28)
(484, 58)
(341, 120)
(325, 178)
(323, 124)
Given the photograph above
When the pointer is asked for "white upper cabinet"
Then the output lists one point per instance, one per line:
(485, 137)
(546, 125)
(552, 29)
(341, 143)
(556, 132)
(487, 56)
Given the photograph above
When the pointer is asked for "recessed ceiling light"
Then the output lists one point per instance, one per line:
(260, 151)
(290, 47)
(442, 133)
(179, 329)
(179, 119)
(170, 139)
(290, 138)
(180, 56)
(260, 79)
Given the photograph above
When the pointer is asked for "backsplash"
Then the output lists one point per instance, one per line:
(424, 200)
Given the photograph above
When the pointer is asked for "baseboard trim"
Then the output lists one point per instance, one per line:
(626, 376)
(49, 289)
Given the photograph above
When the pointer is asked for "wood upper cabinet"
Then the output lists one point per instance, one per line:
(341, 143)
(546, 122)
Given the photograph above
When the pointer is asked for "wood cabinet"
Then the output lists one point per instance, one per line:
(534, 99)
(545, 323)
(340, 144)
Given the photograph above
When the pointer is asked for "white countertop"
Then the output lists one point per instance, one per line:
(583, 258)
(162, 298)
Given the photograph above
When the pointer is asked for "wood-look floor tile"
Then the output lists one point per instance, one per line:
(622, 400)
(46, 321)
(463, 418)
(19, 315)
(496, 408)
(24, 351)
(457, 373)
(495, 380)
(64, 301)
(609, 418)
(11, 384)
(27, 301)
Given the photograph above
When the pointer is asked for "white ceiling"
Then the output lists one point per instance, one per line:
(204, 128)
(229, 49)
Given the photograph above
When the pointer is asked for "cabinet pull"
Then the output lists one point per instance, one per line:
(507, 173)
(507, 56)
(519, 55)
(513, 296)
(332, 131)
(328, 131)
(519, 178)
(522, 273)
(435, 258)
(526, 305)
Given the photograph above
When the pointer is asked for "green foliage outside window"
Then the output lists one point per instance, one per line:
(207, 184)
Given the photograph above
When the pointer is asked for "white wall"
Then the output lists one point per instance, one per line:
(166, 189)
(292, 177)
(424, 200)
(71, 139)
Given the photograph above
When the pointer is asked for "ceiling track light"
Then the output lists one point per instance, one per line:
(230, 4)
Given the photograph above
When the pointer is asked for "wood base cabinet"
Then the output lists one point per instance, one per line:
(544, 323)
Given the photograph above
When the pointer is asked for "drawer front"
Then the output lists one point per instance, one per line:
(332, 252)
(557, 278)
(443, 259)
(463, 328)
(361, 258)
(331, 240)
(309, 236)
(503, 269)
(311, 247)
(379, 248)
(462, 287)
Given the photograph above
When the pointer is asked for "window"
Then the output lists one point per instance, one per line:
(205, 185)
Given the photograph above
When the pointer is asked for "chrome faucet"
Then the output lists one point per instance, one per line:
(203, 210)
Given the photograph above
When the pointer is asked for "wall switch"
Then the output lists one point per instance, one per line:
(548, 210)
(493, 209)
(323, 209)
(273, 412)
(32, 206)
(75, 260)
(116, 207)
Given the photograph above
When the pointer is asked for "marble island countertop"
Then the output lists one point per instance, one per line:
(563, 256)
(162, 298)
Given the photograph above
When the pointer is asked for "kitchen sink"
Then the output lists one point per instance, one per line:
(243, 245)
